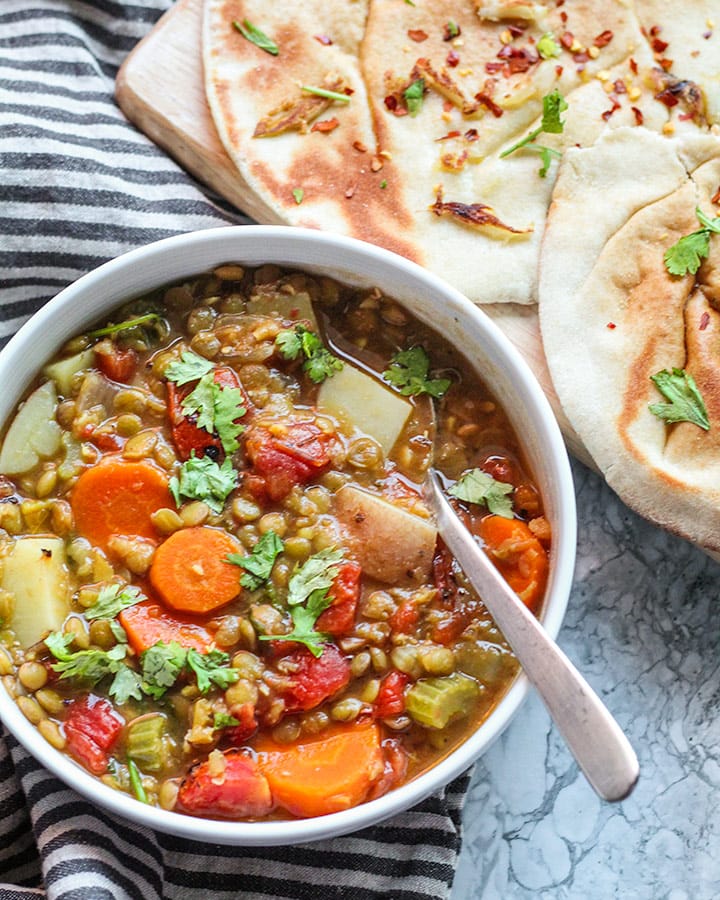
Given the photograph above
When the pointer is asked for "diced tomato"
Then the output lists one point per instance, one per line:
(241, 791)
(315, 677)
(283, 461)
(344, 592)
(187, 437)
(114, 362)
(390, 700)
(458, 605)
(238, 734)
(107, 441)
(405, 617)
(396, 766)
(91, 727)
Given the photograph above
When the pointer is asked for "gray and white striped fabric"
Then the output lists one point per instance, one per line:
(79, 185)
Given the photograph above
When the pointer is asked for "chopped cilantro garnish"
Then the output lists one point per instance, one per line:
(547, 46)
(308, 596)
(201, 478)
(685, 400)
(224, 720)
(124, 326)
(414, 96)
(298, 195)
(113, 599)
(253, 34)
(319, 361)
(136, 782)
(684, 256)
(258, 564)
(161, 665)
(452, 29)
(408, 371)
(190, 367)
(211, 669)
(126, 684)
(477, 486)
(383, 184)
(89, 666)
(553, 105)
(217, 409)
(323, 92)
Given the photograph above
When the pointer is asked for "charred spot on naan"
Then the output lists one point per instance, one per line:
(671, 91)
(475, 215)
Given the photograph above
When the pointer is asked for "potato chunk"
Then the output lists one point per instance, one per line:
(390, 543)
(35, 573)
(33, 433)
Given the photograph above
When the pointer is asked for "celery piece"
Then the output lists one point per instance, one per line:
(146, 744)
(434, 702)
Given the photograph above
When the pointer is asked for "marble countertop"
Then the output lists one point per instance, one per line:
(642, 626)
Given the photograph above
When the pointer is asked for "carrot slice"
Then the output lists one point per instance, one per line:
(327, 774)
(190, 573)
(118, 497)
(519, 556)
(147, 623)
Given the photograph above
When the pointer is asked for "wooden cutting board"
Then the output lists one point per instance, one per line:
(160, 89)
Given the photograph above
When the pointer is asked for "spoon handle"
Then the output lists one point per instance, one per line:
(595, 739)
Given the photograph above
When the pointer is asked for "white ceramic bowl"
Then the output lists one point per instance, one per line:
(433, 301)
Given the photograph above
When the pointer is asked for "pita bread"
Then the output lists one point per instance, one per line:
(419, 184)
(611, 316)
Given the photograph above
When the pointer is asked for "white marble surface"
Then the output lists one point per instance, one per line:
(642, 625)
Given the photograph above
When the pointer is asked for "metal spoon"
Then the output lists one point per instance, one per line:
(599, 746)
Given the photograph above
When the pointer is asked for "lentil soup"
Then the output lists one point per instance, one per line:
(220, 589)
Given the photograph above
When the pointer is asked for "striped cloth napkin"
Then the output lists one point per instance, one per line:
(79, 185)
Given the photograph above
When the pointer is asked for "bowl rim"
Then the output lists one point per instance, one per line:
(281, 832)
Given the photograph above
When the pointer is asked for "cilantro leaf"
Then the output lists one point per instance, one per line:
(477, 486)
(685, 256)
(553, 105)
(685, 400)
(253, 34)
(319, 361)
(316, 574)
(85, 665)
(190, 367)
(217, 409)
(324, 92)
(124, 326)
(304, 619)
(113, 599)
(201, 478)
(224, 720)
(408, 371)
(413, 96)
(547, 46)
(211, 669)
(547, 154)
(298, 195)
(258, 565)
(452, 29)
(161, 666)
(136, 781)
(126, 684)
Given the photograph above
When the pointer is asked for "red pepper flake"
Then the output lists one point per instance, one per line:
(704, 321)
(633, 66)
(450, 33)
(492, 68)
(516, 30)
(608, 112)
(603, 39)
(563, 17)
(707, 35)
(517, 59)
(686, 117)
(655, 30)
(449, 136)
(659, 46)
(348, 91)
(620, 87)
(567, 39)
(639, 118)
(417, 35)
(716, 196)
(391, 102)
(452, 59)
(581, 57)
(323, 39)
(666, 64)
(448, 106)
(472, 135)
(360, 147)
(490, 104)
(558, 71)
(668, 98)
(325, 126)
(611, 325)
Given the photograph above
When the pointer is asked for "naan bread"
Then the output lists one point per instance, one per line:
(611, 316)
(431, 185)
